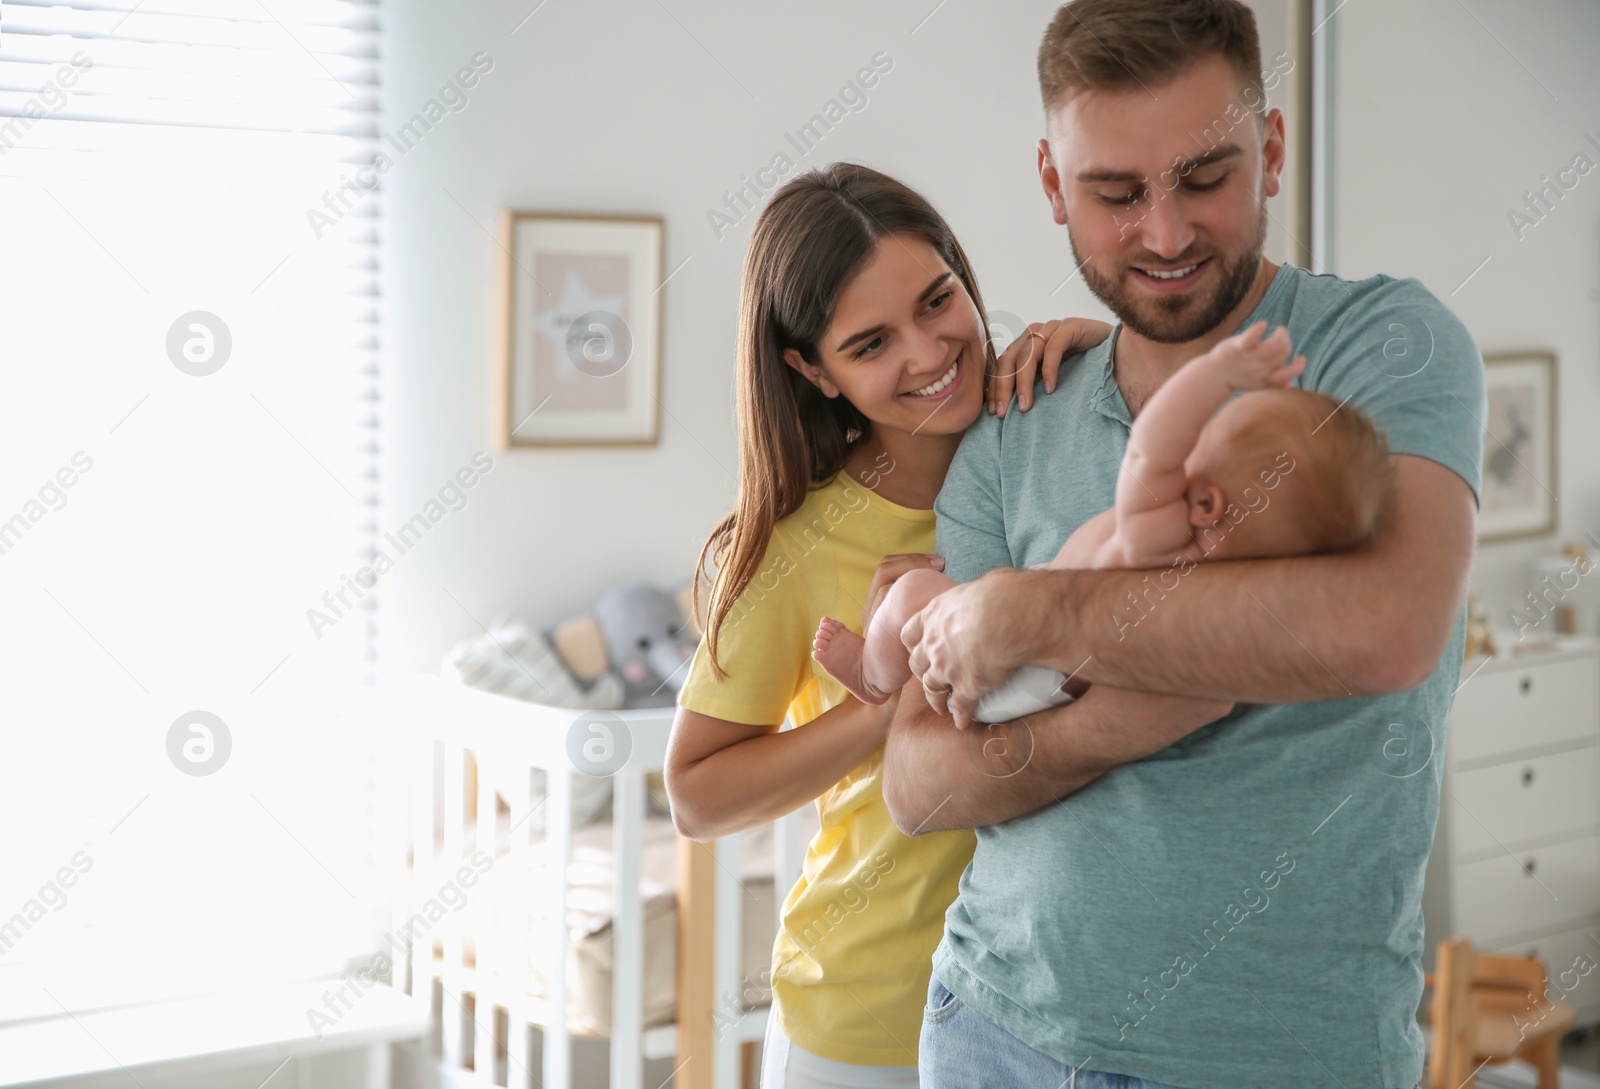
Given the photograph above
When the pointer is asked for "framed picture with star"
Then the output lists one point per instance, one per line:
(580, 330)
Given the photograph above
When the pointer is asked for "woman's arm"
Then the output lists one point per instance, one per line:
(723, 777)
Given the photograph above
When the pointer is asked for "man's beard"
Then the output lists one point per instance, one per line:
(1175, 319)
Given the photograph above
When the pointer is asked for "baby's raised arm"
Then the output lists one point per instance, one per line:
(1151, 485)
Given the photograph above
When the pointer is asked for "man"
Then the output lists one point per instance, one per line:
(1230, 904)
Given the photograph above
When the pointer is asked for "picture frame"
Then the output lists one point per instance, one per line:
(1520, 474)
(580, 330)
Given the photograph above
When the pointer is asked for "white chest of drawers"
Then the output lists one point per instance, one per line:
(1515, 865)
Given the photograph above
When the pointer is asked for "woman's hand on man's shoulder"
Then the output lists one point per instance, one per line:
(1038, 353)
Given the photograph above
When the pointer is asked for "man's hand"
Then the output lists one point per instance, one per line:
(965, 642)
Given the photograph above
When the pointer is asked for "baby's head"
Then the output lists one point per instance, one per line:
(1283, 472)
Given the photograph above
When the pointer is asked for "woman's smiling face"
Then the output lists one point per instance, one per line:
(906, 345)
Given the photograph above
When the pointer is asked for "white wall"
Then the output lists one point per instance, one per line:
(624, 108)
(1444, 117)
(1440, 123)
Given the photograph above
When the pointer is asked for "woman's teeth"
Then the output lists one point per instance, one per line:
(944, 380)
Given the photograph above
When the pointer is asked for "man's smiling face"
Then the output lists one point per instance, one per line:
(1169, 179)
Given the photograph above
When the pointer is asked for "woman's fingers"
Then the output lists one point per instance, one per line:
(1028, 359)
(1007, 378)
(1038, 353)
(1001, 382)
(1071, 335)
(1019, 363)
(1055, 350)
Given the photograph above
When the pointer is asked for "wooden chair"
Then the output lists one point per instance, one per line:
(1491, 1009)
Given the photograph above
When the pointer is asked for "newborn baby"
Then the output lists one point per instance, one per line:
(1190, 489)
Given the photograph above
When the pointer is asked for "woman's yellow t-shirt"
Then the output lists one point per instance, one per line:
(853, 953)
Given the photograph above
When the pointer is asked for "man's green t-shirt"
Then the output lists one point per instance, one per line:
(1242, 910)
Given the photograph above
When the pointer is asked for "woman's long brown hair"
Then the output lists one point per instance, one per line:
(810, 240)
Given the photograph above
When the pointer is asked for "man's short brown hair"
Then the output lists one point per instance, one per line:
(1115, 45)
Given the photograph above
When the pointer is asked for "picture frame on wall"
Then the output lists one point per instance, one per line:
(1519, 474)
(580, 330)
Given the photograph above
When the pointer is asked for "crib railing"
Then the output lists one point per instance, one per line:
(453, 729)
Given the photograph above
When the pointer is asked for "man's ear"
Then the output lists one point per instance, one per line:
(1050, 179)
(1274, 151)
(811, 371)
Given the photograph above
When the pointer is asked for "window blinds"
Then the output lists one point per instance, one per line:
(189, 332)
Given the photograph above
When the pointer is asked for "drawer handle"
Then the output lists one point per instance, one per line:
(1527, 867)
(1527, 777)
(1526, 685)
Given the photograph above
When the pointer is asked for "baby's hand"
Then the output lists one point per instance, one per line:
(1249, 362)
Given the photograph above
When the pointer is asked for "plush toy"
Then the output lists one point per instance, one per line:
(633, 651)
(640, 633)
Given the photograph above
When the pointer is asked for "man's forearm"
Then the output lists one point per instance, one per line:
(1283, 630)
(937, 777)
(1224, 630)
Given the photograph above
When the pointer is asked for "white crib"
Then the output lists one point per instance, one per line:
(452, 728)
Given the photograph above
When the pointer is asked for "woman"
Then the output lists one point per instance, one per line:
(862, 359)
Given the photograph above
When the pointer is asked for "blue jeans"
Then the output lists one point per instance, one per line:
(961, 1049)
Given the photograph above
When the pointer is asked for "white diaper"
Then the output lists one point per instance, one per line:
(1028, 690)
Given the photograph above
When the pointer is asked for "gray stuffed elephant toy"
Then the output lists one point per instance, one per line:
(648, 642)
(639, 635)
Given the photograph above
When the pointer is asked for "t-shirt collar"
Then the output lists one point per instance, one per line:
(1107, 399)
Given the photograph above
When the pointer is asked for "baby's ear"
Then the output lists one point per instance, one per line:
(1206, 503)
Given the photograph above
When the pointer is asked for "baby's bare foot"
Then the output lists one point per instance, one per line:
(839, 650)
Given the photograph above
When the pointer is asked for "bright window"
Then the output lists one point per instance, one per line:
(189, 345)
